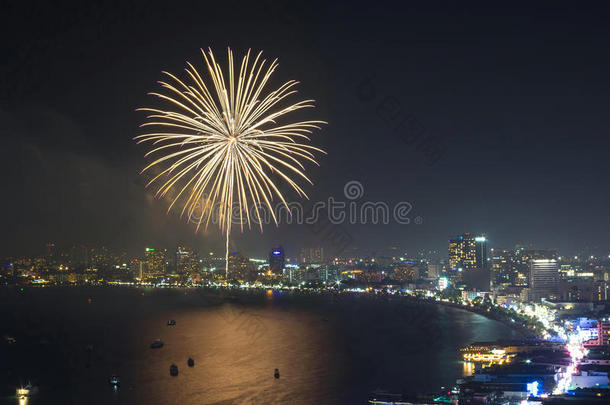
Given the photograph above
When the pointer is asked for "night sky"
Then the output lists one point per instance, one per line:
(515, 96)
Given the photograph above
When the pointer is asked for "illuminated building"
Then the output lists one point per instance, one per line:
(543, 278)
(602, 337)
(187, 261)
(468, 252)
(312, 255)
(406, 271)
(472, 295)
(154, 264)
(329, 273)
(503, 268)
(494, 356)
(468, 257)
(239, 267)
(522, 260)
(276, 260)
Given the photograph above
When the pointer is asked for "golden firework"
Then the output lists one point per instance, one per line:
(221, 143)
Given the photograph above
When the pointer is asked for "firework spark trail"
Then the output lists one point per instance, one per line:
(222, 141)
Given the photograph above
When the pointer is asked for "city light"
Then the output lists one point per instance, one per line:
(532, 388)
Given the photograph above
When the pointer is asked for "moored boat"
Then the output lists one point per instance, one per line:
(173, 370)
(157, 344)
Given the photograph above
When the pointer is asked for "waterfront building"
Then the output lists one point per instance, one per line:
(239, 267)
(406, 270)
(187, 261)
(522, 260)
(543, 278)
(468, 260)
(277, 260)
(468, 252)
(154, 264)
(472, 295)
(602, 335)
(503, 268)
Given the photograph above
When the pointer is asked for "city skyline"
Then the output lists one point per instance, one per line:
(522, 138)
(461, 252)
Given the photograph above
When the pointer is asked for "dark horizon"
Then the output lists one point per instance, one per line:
(513, 96)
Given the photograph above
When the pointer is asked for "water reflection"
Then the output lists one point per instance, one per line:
(328, 351)
(468, 368)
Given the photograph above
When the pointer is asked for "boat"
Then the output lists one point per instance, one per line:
(114, 381)
(381, 397)
(191, 362)
(171, 322)
(157, 344)
(277, 373)
(173, 370)
(26, 391)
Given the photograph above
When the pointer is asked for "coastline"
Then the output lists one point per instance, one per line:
(375, 351)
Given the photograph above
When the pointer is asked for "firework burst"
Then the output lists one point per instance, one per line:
(220, 143)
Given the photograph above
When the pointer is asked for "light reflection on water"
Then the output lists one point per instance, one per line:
(327, 351)
(468, 368)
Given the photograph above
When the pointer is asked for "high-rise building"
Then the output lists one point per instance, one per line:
(503, 267)
(543, 278)
(468, 252)
(154, 263)
(277, 260)
(468, 258)
(239, 267)
(521, 263)
(187, 261)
